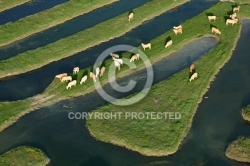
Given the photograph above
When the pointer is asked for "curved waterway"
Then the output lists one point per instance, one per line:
(36, 81)
(67, 142)
(26, 9)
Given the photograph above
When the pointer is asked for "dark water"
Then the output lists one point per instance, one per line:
(68, 28)
(35, 82)
(50, 129)
(27, 9)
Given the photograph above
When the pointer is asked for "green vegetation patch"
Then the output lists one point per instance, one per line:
(7, 4)
(177, 94)
(239, 150)
(80, 41)
(246, 113)
(29, 25)
(24, 156)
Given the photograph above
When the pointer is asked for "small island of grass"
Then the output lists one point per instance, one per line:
(24, 156)
(239, 150)
(246, 113)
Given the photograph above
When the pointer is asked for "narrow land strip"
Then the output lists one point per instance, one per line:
(8, 4)
(59, 14)
(78, 42)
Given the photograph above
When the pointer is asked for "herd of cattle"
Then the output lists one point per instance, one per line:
(64, 77)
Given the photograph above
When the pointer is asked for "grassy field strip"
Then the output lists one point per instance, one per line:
(59, 14)
(80, 41)
(8, 4)
(24, 156)
(175, 94)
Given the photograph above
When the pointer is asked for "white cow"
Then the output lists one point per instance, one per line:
(229, 21)
(97, 71)
(130, 16)
(177, 31)
(70, 84)
(91, 74)
(84, 79)
(76, 70)
(116, 56)
(237, 8)
(119, 60)
(66, 78)
(195, 75)
(210, 18)
(233, 16)
(102, 71)
(216, 31)
(169, 43)
(146, 46)
(117, 65)
(178, 27)
(134, 57)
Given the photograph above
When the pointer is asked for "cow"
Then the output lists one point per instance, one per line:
(229, 21)
(117, 65)
(177, 31)
(70, 84)
(119, 60)
(191, 68)
(130, 16)
(211, 18)
(134, 57)
(146, 46)
(237, 8)
(169, 43)
(84, 79)
(177, 27)
(195, 75)
(92, 75)
(233, 16)
(76, 70)
(116, 56)
(60, 76)
(97, 71)
(66, 78)
(216, 31)
(102, 71)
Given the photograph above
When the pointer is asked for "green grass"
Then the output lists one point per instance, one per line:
(24, 156)
(8, 4)
(80, 41)
(246, 113)
(27, 26)
(239, 150)
(163, 137)
(242, 1)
